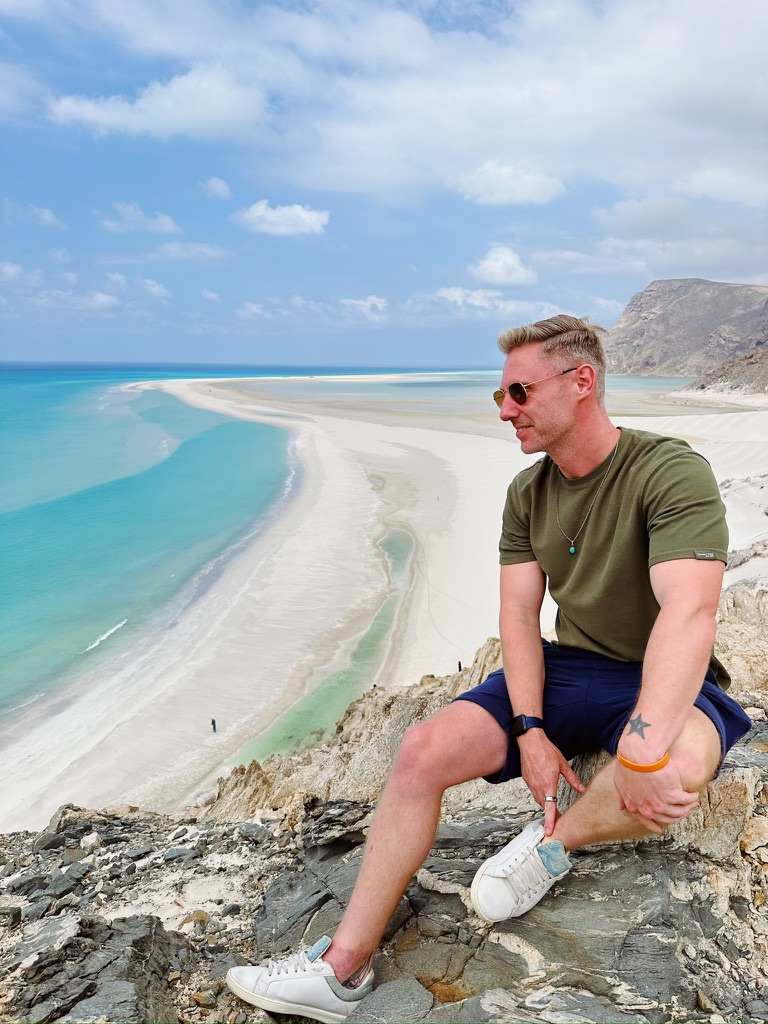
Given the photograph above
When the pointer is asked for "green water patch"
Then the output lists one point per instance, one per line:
(318, 711)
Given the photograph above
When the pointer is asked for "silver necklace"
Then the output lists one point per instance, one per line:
(572, 540)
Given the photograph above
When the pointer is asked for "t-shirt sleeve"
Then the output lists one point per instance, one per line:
(515, 543)
(685, 513)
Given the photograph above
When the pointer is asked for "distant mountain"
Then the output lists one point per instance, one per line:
(687, 327)
(746, 375)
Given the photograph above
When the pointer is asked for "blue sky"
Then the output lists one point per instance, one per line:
(356, 182)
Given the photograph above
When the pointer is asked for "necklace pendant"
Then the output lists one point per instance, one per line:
(572, 549)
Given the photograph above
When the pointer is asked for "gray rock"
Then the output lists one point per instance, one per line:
(404, 1000)
(10, 917)
(27, 884)
(63, 883)
(92, 970)
(288, 906)
(181, 853)
(115, 1001)
(139, 852)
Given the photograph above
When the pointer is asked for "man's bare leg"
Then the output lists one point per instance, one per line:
(596, 816)
(461, 742)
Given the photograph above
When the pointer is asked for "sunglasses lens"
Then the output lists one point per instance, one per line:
(518, 393)
(498, 397)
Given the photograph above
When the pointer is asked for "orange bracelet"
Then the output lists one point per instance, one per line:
(643, 767)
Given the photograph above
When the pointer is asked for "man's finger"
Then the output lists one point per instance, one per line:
(550, 816)
(572, 778)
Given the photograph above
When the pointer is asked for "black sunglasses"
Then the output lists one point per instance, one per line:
(519, 392)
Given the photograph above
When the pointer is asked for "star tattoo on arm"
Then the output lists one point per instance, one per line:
(639, 726)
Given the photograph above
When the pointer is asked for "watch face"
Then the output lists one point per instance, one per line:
(522, 723)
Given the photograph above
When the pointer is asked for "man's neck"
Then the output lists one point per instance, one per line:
(585, 452)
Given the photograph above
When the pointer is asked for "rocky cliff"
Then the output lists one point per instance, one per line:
(745, 375)
(686, 327)
(121, 915)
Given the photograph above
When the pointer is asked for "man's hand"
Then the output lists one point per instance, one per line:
(542, 764)
(658, 796)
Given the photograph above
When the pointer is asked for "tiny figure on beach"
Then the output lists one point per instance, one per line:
(626, 530)
(213, 724)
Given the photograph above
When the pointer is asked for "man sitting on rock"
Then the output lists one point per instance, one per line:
(627, 529)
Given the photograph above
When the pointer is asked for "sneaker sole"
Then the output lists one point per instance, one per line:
(280, 1006)
(475, 902)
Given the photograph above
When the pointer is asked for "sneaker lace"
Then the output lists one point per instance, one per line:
(528, 875)
(296, 963)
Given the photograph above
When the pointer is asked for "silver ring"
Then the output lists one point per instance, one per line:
(550, 799)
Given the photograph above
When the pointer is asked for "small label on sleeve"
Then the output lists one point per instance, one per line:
(705, 554)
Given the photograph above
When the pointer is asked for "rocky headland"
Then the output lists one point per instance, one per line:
(685, 327)
(123, 915)
(743, 376)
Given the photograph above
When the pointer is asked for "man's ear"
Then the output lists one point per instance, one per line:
(585, 379)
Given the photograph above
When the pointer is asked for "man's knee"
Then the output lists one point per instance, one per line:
(697, 752)
(419, 753)
(697, 768)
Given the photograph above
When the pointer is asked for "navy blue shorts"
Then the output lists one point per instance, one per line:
(588, 699)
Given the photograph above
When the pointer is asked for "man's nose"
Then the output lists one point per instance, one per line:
(509, 408)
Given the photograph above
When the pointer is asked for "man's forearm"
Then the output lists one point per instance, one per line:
(522, 591)
(523, 663)
(675, 663)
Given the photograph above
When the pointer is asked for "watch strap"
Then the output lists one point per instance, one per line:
(522, 723)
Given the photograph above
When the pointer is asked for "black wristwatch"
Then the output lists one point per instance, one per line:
(522, 723)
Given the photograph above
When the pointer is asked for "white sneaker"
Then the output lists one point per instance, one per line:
(302, 983)
(514, 880)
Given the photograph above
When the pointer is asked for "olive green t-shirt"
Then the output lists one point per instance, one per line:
(658, 501)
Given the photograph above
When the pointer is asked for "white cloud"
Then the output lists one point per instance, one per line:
(250, 310)
(502, 266)
(610, 306)
(206, 103)
(720, 256)
(10, 271)
(727, 183)
(60, 255)
(201, 252)
(282, 220)
(117, 281)
(47, 218)
(479, 303)
(154, 288)
(479, 298)
(373, 308)
(494, 183)
(130, 217)
(92, 302)
(210, 296)
(68, 277)
(311, 306)
(653, 217)
(216, 188)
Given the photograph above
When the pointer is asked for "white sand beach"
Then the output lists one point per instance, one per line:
(285, 610)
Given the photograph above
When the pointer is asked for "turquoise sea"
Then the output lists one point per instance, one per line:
(117, 505)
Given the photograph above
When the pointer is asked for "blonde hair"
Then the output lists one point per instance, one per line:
(574, 338)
